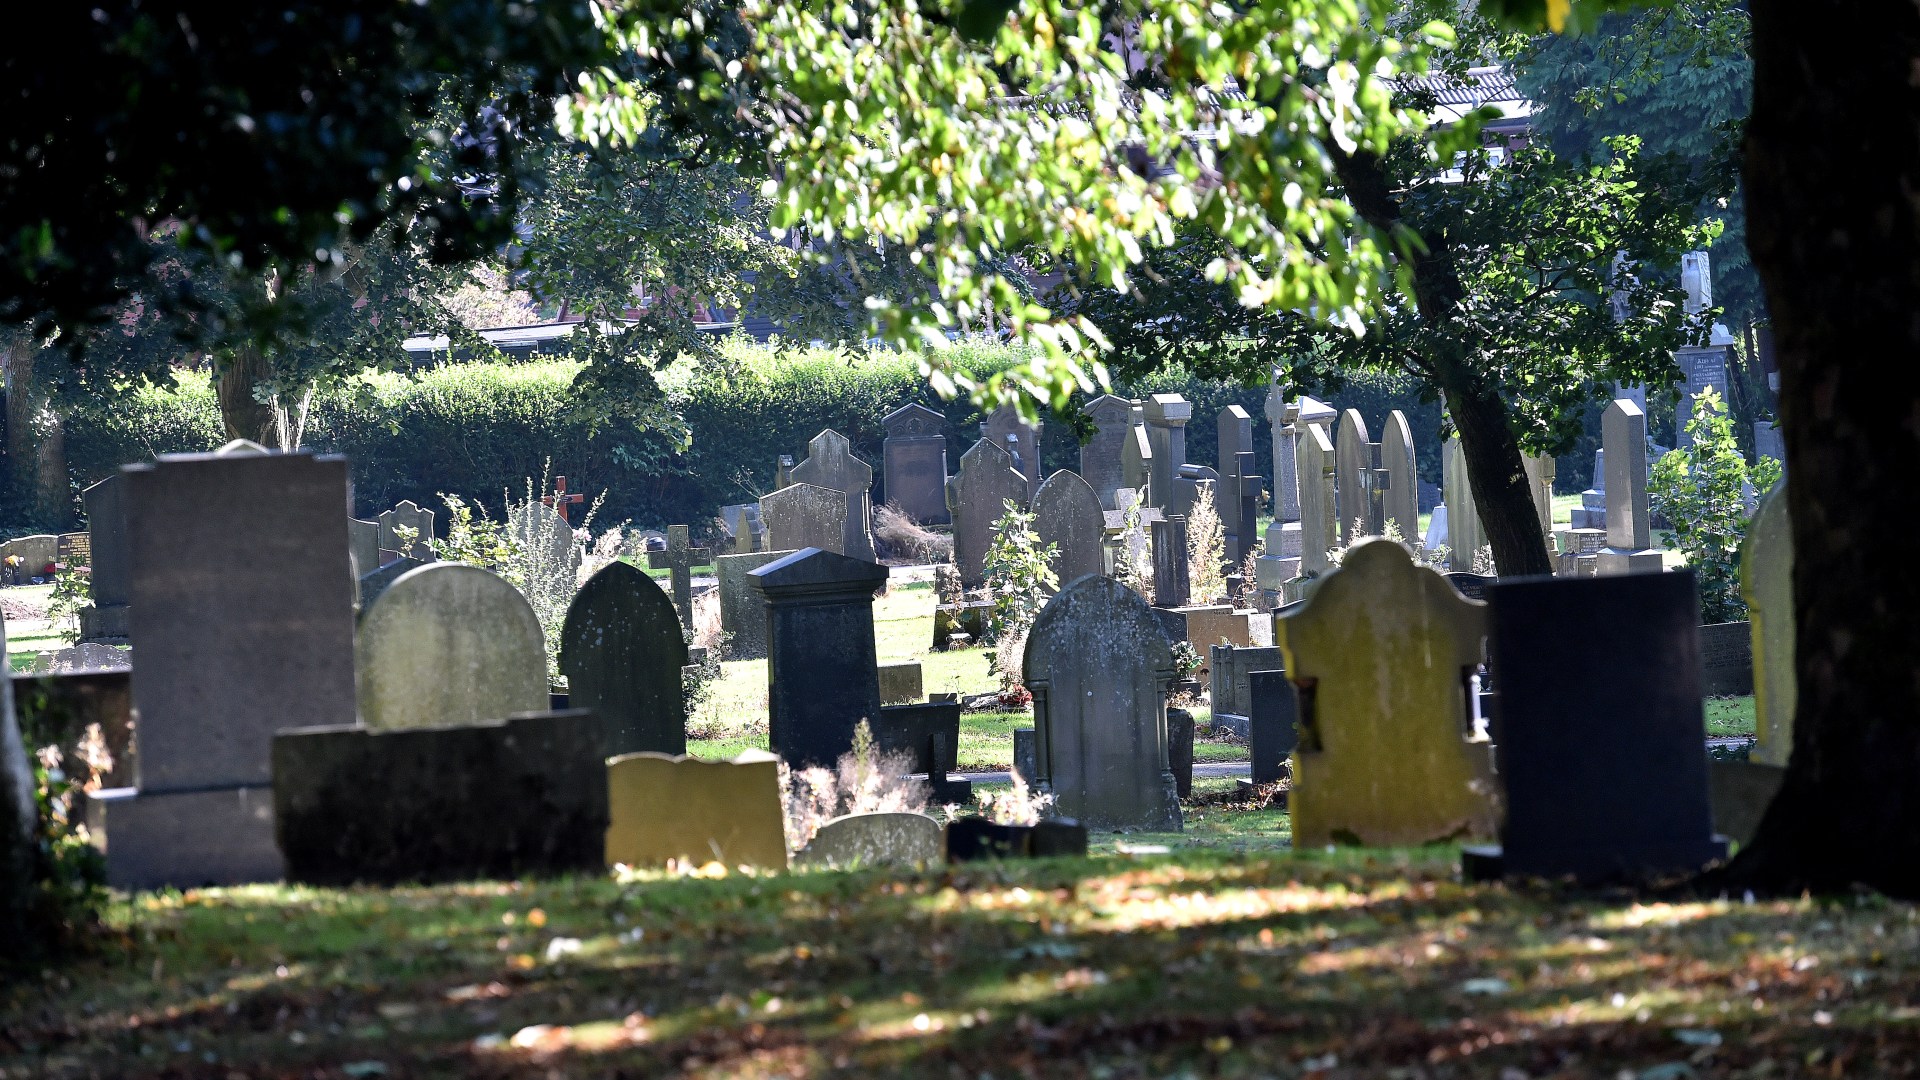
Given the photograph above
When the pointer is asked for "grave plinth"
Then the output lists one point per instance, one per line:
(822, 676)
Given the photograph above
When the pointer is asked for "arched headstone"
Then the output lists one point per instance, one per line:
(978, 494)
(621, 650)
(1766, 583)
(1067, 515)
(449, 644)
(1353, 473)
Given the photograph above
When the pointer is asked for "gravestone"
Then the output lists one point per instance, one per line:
(516, 797)
(1166, 417)
(1769, 441)
(1353, 479)
(1281, 417)
(1766, 583)
(1401, 497)
(1701, 368)
(1250, 487)
(86, 656)
(621, 649)
(36, 554)
(1230, 667)
(914, 458)
(406, 515)
(680, 557)
(1136, 461)
(73, 549)
(1541, 470)
(242, 602)
(548, 540)
(743, 611)
(806, 515)
(1471, 586)
(1319, 514)
(1171, 586)
(1067, 515)
(375, 583)
(1271, 732)
(1623, 429)
(1234, 432)
(698, 812)
(363, 542)
(1389, 754)
(927, 733)
(885, 839)
(1023, 756)
(1465, 535)
(1020, 440)
(978, 494)
(1099, 669)
(1611, 781)
(900, 682)
(448, 645)
(1101, 459)
(830, 464)
(745, 526)
(821, 666)
(1592, 511)
(1189, 483)
(1726, 659)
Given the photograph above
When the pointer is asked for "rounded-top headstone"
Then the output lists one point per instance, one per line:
(877, 839)
(449, 644)
(1067, 514)
(621, 650)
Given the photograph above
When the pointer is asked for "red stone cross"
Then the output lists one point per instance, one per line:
(560, 500)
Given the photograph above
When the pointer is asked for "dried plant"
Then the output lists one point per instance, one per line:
(1135, 572)
(901, 537)
(1206, 547)
(1017, 805)
(866, 780)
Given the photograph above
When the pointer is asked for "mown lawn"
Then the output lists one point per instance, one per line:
(1214, 960)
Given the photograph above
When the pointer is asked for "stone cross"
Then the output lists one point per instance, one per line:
(682, 557)
(560, 500)
(1166, 418)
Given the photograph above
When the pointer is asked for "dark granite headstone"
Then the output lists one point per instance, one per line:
(621, 650)
(1271, 733)
(978, 495)
(1023, 754)
(1599, 742)
(1228, 668)
(1170, 581)
(972, 838)
(1726, 659)
(914, 460)
(1180, 750)
(1471, 586)
(110, 575)
(910, 730)
(527, 795)
(821, 667)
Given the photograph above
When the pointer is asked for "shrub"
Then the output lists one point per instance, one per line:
(866, 780)
(1703, 491)
(1020, 578)
(1206, 548)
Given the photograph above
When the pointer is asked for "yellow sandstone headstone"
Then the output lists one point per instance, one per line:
(1382, 651)
(664, 807)
(1766, 583)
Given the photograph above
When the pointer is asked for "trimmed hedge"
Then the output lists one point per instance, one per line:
(478, 429)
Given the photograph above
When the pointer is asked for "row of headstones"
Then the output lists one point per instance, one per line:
(29, 559)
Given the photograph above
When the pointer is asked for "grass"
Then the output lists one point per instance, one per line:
(1730, 716)
(1219, 959)
(24, 645)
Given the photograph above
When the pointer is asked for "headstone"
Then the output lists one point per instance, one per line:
(1623, 428)
(1136, 461)
(1436, 537)
(1020, 440)
(743, 610)
(821, 669)
(407, 515)
(1023, 756)
(1246, 540)
(745, 525)
(1188, 484)
(447, 645)
(110, 580)
(1726, 659)
(621, 649)
(1611, 781)
(1234, 432)
(1099, 669)
(1230, 668)
(806, 515)
(1353, 480)
(548, 540)
(1541, 471)
(1319, 518)
(978, 494)
(1769, 442)
(86, 656)
(680, 557)
(363, 542)
(1281, 416)
(883, 839)
(1766, 583)
(1471, 586)
(1180, 750)
(901, 682)
(1171, 586)
(375, 583)
(1401, 496)
(914, 458)
(243, 606)
(1382, 653)
(1271, 733)
(1101, 462)
(698, 812)
(830, 464)
(355, 805)
(1701, 367)
(73, 549)
(783, 472)
(1465, 535)
(1166, 417)
(1067, 515)
(36, 554)
(1592, 511)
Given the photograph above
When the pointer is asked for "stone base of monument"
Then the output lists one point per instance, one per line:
(1740, 792)
(430, 804)
(105, 625)
(186, 839)
(1620, 561)
(1270, 575)
(1489, 862)
(973, 838)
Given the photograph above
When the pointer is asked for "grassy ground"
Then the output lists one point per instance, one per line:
(27, 638)
(1730, 716)
(1211, 961)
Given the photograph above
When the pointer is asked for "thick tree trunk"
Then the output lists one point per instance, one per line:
(246, 417)
(1832, 175)
(36, 442)
(19, 829)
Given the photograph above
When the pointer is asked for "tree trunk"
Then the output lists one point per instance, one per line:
(36, 442)
(244, 415)
(19, 829)
(1832, 170)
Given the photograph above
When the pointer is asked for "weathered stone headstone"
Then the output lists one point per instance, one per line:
(914, 457)
(901, 682)
(375, 583)
(1766, 583)
(1319, 530)
(1623, 428)
(1271, 732)
(355, 805)
(1701, 368)
(698, 812)
(1353, 480)
(822, 677)
(447, 645)
(86, 656)
(1465, 535)
(743, 610)
(1401, 497)
(830, 464)
(745, 526)
(1067, 515)
(680, 557)
(875, 840)
(1166, 417)
(547, 535)
(363, 542)
(806, 515)
(621, 649)
(406, 515)
(242, 603)
(1610, 781)
(1229, 669)
(1136, 461)
(1099, 669)
(1769, 441)
(1726, 659)
(978, 494)
(1234, 433)
(1381, 652)
(1101, 459)
(1171, 584)
(1020, 440)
